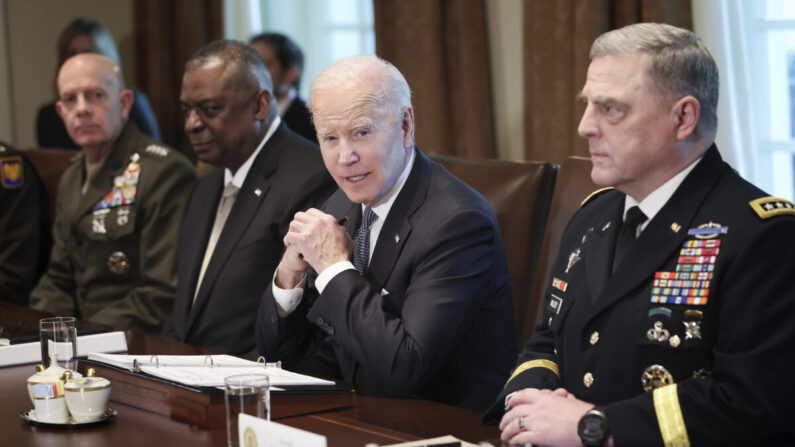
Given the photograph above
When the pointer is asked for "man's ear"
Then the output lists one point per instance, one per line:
(263, 105)
(408, 127)
(126, 99)
(686, 113)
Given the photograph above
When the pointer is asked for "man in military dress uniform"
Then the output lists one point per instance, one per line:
(667, 320)
(118, 208)
(22, 214)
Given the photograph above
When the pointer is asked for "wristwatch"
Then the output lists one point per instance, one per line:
(593, 427)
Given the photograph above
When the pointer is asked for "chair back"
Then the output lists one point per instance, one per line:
(519, 193)
(50, 164)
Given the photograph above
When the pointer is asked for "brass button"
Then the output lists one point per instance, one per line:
(594, 338)
(555, 351)
(674, 341)
(588, 379)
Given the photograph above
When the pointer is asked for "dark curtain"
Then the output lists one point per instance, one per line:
(167, 33)
(441, 47)
(558, 36)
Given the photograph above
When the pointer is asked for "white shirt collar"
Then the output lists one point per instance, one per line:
(285, 103)
(654, 202)
(242, 172)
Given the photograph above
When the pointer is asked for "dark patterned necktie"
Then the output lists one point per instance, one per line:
(628, 233)
(361, 243)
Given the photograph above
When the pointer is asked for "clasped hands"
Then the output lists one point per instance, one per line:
(548, 418)
(314, 239)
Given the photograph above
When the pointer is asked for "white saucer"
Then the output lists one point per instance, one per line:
(30, 416)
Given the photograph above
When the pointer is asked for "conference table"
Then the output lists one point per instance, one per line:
(368, 419)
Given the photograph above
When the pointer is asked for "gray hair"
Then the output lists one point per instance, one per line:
(679, 64)
(393, 92)
(245, 67)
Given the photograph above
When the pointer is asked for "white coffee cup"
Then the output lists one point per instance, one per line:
(87, 398)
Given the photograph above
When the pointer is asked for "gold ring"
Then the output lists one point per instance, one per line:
(521, 422)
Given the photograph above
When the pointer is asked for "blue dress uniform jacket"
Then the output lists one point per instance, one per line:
(431, 318)
(286, 177)
(113, 259)
(718, 360)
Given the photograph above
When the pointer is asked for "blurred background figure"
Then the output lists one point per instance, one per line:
(88, 36)
(285, 63)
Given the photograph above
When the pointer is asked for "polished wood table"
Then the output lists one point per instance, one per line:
(369, 419)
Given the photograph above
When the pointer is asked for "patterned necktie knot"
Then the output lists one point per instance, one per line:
(361, 242)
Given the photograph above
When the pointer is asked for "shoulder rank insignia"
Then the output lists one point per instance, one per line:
(154, 149)
(11, 172)
(767, 207)
(594, 194)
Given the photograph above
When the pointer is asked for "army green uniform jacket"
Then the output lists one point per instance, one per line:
(21, 216)
(114, 254)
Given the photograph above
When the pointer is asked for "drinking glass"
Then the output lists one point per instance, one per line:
(245, 393)
(58, 337)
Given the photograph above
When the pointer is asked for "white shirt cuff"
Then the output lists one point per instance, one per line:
(331, 271)
(287, 300)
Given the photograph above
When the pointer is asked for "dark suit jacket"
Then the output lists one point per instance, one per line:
(431, 318)
(286, 177)
(299, 119)
(732, 377)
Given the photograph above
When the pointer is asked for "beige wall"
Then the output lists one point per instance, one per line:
(31, 31)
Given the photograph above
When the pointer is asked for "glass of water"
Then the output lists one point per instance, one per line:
(245, 393)
(58, 337)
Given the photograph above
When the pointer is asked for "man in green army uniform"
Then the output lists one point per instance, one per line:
(21, 216)
(118, 208)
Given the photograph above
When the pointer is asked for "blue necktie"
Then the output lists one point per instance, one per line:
(361, 243)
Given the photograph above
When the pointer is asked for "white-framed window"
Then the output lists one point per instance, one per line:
(325, 30)
(753, 42)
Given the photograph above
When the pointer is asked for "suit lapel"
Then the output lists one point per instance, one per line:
(659, 240)
(251, 195)
(598, 248)
(397, 226)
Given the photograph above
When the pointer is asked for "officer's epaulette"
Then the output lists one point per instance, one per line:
(594, 194)
(767, 207)
(157, 151)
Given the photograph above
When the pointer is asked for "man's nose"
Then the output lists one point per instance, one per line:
(83, 106)
(347, 154)
(587, 127)
(192, 121)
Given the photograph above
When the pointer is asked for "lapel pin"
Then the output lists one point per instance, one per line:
(675, 227)
(258, 192)
(397, 238)
(606, 226)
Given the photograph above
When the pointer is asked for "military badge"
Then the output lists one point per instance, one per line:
(767, 207)
(555, 303)
(674, 341)
(573, 258)
(708, 230)
(123, 216)
(559, 284)
(118, 263)
(655, 376)
(11, 172)
(98, 221)
(658, 332)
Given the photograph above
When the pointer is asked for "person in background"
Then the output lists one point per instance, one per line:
(285, 62)
(417, 301)
(231, 235)
(667, 316)
(23, 205)
(88, 36)
(118, 208)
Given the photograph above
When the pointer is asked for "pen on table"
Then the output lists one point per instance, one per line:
(339, 222)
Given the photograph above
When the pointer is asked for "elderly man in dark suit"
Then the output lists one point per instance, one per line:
(424, 309)
(231, 234)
